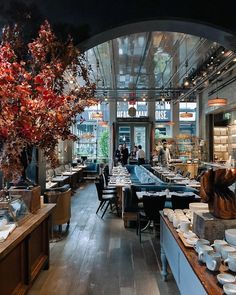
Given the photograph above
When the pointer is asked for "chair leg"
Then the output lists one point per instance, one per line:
(139, 230)
(108, 203)
(100, 205)
(146, 226)
(103, 203)
(137, 225)
(117, 208)
(60, 228)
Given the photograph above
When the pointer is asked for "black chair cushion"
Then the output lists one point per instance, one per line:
(152, 205)
(61, 189)
(182, 202)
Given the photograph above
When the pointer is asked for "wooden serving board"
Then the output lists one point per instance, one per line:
(184, 241)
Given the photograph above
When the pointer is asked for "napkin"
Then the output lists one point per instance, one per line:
(6, 230)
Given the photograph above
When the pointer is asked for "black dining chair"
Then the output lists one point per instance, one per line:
(106, 198)
(150, 213)
(182, 202)
(105, 188)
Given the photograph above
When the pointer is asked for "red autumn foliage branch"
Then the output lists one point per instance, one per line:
(37, 108)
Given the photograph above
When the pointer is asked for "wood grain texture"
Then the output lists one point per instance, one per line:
(101, 257)
(22, 231)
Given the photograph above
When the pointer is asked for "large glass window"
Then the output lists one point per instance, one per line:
(140, 136)
(93, 134)
(163, 116)
(187, 125)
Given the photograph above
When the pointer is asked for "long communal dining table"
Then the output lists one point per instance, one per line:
(168, 194)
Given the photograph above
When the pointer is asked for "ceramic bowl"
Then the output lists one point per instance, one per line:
(186, 211)
(224, 278)
(191, 241)
(230, 236)
(178, 211)
(230, 289)
(166, 210)
(189, 234)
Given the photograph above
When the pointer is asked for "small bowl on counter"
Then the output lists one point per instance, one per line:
(225, 278)
(230, 236)
(229, 289)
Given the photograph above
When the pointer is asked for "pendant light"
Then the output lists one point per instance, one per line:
(186, 114)
(186, 79)
(103, 123)
(97, 115)
(217, 101)
(170, 123)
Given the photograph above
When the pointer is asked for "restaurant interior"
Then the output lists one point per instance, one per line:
(117, 160)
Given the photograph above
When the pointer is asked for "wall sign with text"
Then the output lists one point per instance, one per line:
(163, 115)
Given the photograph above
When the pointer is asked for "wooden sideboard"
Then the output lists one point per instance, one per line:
(191, 276)
(25, 252)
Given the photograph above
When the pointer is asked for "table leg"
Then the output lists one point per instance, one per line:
(164, 272)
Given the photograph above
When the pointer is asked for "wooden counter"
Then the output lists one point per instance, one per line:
(25, 252)
(192, 277)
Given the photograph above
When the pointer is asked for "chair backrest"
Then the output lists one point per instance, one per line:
(99, 188)
(62, 212)
(106, 170)
(182, 202)
(152, 205)
(105, 179)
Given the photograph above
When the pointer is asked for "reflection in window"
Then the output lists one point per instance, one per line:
(163, 65)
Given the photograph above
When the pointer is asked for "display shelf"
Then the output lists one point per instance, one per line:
(187, 146)
(232, 140)
(221, 146)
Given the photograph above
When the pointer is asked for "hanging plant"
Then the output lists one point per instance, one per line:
(37, 107)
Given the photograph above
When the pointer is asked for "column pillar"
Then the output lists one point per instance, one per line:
(152, 120)
(112, 135)
(175, 118)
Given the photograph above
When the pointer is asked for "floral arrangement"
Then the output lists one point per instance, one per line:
(37, 106)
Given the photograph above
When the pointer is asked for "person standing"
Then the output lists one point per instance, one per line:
(133, 153)
(118, 154)
(164, 154)
(140, 155)
(124, 155)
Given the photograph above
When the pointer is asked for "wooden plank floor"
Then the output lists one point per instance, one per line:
(101, 257)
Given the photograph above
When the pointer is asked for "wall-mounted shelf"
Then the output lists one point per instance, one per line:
(221, 146)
